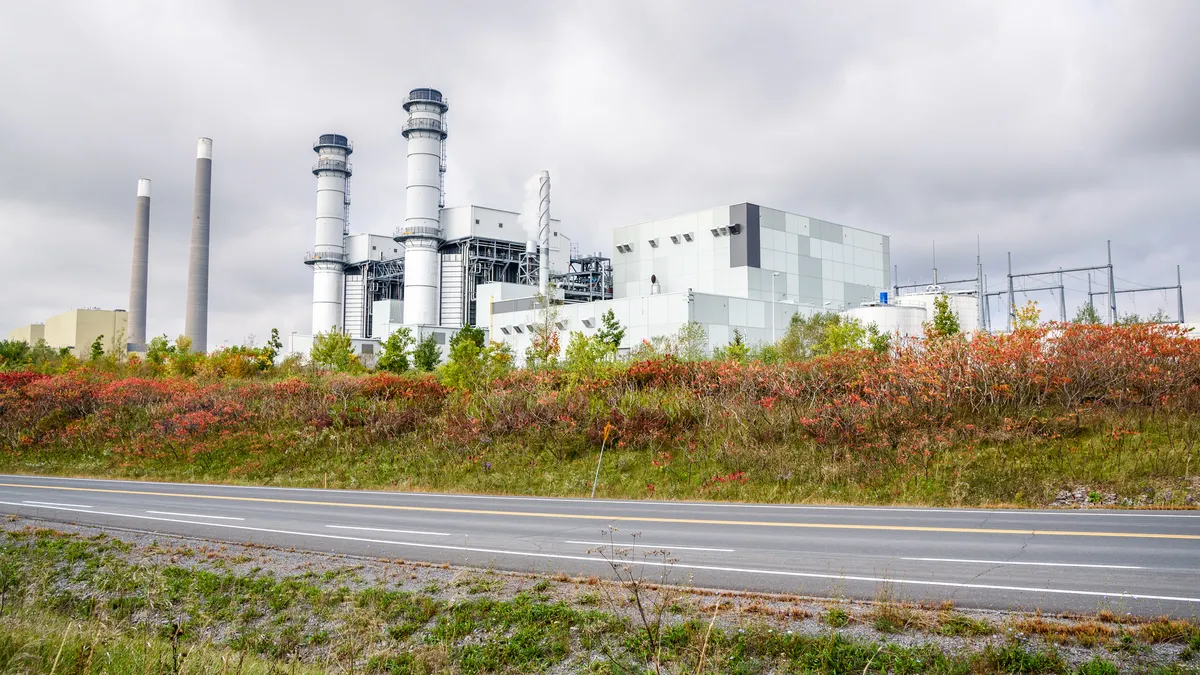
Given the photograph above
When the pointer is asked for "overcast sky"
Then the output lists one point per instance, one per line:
(1041, 128)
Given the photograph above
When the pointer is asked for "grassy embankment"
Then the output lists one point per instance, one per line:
(70, 604)
(1000, 420)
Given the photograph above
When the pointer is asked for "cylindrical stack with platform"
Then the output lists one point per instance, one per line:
(421, 233)
(328, 257)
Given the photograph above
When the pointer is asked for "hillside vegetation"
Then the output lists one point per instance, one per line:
(999, 419)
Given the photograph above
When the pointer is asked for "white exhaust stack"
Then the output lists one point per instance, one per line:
(421, 233)
(328, 257)
(544, 234)
(141, 261)
(196, 316)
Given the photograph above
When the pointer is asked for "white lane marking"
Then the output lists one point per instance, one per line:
(653, 563)
(1039, 564)
(377, 529)
(661, 548)
(74, 506)
(643, 503)
(193, 515)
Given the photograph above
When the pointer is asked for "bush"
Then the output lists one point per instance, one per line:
(394, 358)
(333, 349)
(427, 354)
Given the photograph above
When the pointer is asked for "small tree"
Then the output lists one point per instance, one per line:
(98, 348)
(158, 349)
(182, 360)
(877, 340)
(1087, 314)
(118, 347)
(584, 354)
(611, 332)
(691, 341)
(736, 350)
(473, 368)
(945, 319)
(274, 345)
(469, 333)
(13, 351)
(428, 354)
(1028, 316)
(544, 346)
(332, 349)
(394, 358)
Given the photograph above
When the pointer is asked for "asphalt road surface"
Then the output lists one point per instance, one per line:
(1145, 562)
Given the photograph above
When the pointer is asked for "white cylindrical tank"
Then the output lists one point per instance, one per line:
(328, 257)
(906, 320)
(421, 233)
(544, 233)
(966, 306)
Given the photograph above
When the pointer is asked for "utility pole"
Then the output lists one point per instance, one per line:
(1012, 300)
(1179, 282)
(1062, 299)
(980, 290)
(1112, 289)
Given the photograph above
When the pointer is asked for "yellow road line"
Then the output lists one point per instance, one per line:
(638, 519)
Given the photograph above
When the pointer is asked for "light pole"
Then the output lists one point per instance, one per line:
(773, 276)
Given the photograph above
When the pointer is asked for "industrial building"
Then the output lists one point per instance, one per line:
(739, 267)
(427, 274)
(77, 330)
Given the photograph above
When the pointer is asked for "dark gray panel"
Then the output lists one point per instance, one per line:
(745, 247)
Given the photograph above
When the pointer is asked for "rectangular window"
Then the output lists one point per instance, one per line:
(476, 221)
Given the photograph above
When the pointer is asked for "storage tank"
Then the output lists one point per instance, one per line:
(966, 306)
(906, 320)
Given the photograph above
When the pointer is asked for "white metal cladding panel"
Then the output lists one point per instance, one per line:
(771, 219)
(711, 309)
(719, 335)
(796, 224)
(738, 311)
(456, 222)
(756, 314)
(358, 247)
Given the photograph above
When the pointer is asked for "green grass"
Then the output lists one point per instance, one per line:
(1024, 473)
(78, 605)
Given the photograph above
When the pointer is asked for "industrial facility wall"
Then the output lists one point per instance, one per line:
(796, 258)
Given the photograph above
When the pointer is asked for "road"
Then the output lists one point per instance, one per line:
(1080, 561)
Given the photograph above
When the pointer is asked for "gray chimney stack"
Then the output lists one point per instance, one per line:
(196, 318)
(141, 259)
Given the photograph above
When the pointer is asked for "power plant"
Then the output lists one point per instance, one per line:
(741, 269)
(734, 270)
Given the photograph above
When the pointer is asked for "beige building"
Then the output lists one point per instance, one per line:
(28, 334)
(79, 328)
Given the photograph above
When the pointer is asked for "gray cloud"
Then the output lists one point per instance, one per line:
(1040, 128)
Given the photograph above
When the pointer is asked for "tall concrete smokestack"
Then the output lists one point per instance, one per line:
(544, 234)
(195, 325)
(141, 260)
(328, 257)
(421, 232)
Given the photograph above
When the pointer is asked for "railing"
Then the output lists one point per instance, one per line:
(323, 256)
(423, 124)
(333, 165)
(410, 231)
